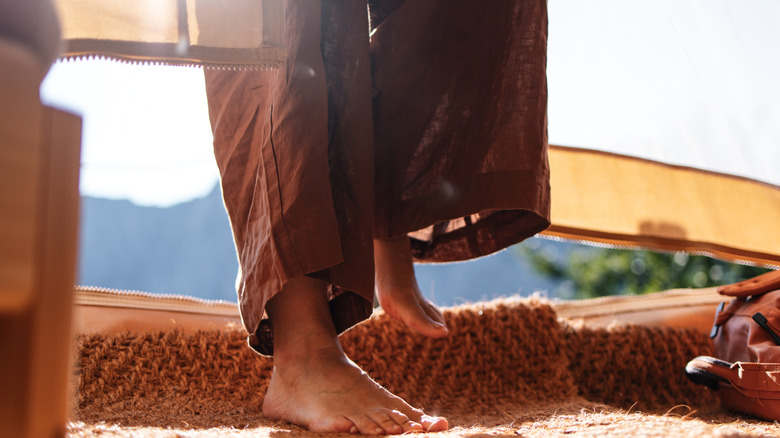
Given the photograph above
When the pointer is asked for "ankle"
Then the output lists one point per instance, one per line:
(393, 263)
(306, 354)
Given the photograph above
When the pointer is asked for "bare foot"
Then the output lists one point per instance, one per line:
(398, 292)
(327, 392)
(315, 385)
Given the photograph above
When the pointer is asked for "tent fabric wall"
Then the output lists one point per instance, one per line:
(39, 165)
(691, 88)
(626, 201)
(683, 82)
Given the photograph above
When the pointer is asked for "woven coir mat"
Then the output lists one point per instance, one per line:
(508, 367)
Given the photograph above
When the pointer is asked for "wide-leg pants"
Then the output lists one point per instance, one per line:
(420, 118)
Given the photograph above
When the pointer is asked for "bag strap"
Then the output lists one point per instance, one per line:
(752, 286)
(753, 379)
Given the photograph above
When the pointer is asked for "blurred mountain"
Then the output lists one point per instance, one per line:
(506, 273)
(188, 249)
(184, 249)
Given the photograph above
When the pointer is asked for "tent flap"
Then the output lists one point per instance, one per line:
(626, 201)
(245, 34)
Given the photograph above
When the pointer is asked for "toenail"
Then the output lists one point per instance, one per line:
(353, 429)
(378, 430)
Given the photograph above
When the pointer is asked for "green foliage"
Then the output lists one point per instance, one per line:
(596, 272)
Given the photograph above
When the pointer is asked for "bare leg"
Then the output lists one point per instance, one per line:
(314, 384)
(397, 288)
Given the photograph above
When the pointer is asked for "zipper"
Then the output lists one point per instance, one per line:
(108, 297)
(594, 307)
(168, 62)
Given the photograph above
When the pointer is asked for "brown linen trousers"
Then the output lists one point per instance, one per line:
(426, 118)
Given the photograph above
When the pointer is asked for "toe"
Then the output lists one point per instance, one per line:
(434, 424)
(433, 312)
(337, 424)
(387, 422)
(412, 418)
(366, 425)
(407, 424)
(418, 320)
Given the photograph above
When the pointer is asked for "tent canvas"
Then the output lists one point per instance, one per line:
(665, 110)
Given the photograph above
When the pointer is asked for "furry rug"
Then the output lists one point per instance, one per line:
(508, 368)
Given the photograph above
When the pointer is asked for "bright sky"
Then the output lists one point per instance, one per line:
(684, 82)
(146, 134)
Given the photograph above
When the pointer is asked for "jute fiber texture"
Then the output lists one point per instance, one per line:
(508, 367)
